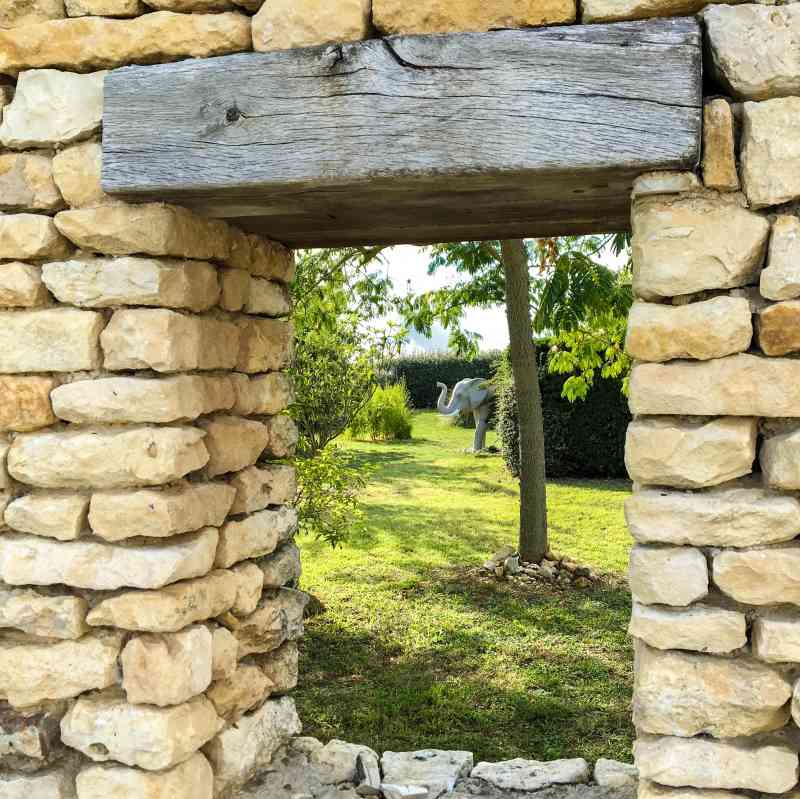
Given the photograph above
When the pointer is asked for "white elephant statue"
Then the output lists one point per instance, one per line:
(471, 395)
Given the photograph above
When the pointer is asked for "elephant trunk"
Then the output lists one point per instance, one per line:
(442, 405)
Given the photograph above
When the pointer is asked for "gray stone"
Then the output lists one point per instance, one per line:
(435, 769)
(613, 774)
(532, 775)
(337, 761)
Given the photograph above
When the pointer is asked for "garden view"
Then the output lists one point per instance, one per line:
(412, 639)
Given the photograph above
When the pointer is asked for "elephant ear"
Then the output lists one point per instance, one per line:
(479, 391)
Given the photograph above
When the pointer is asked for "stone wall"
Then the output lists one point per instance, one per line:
(148, 635)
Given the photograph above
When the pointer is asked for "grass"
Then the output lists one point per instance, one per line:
(415, 651)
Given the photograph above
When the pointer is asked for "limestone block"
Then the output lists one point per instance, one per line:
(115, 400)
(778, 328)
(282, 567)
(707, 763)
(167, 669)
(683, 694)
(192, 779)
(151, 229)
(76, 169)
(259, 487)
(701, 628)
(31, 560)
(440, 16)
(779, 460)
(31, 236)
(337, 761)
(267, 298)
(754, 49)
(781, 279)
(21, 286)
(233, 443)
(283, 437)
(263, 394)
(106, 457)
(170, 609)
(251, 586)
(16, 13)
(234, 288)
(264, 258)
(104, 8)
(281, 667)
(771, 151)
(686, 244)
(514, 775)
(690, 454)
(26, 183)
(43, 615)
(254, 536)
(25, 403)
(241, 750)
(619, 10)
(234, 696)
(49, 340)
(52, 108)
(665, 183)
(776, 637)
(167, 341)
(90, 43)
(265, 345)
(54, 784)
(735, 516)
(719, 146)
(191, 6)
(52, 514)
(649, 790)
(739, 385)
(667, 575)
(702, 330)
(278, 618)
(285, 24)
(759, 576)
(613, 774)
(30, 739)
(106, 727)
(106, 282)
(36, 670)
(225, 653)
(159, 512)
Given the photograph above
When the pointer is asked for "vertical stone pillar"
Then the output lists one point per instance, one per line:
(714, 448)
(147, 624)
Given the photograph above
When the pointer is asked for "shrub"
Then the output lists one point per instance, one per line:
(387, 416)
(421, 373)
(585, 438)
(327, 501)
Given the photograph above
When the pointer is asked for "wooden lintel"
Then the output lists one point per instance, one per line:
(413, 139)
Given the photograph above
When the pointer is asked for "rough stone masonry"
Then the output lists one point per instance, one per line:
(149, 623)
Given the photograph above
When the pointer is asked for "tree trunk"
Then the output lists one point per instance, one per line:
(533, 543)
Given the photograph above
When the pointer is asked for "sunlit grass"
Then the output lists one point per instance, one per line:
(414, 652)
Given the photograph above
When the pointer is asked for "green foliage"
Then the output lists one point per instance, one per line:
(328, 499)
(420, 373)
(386, 417)
(581, 439)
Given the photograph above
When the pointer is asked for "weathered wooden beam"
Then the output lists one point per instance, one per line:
(413, 139)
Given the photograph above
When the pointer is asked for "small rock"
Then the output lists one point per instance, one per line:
(368, 774)
(613, 774)
(434, 769)
(403, 791)
(511, 565)
(532, 775)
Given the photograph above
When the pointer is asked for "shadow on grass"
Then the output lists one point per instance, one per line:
(550, 698)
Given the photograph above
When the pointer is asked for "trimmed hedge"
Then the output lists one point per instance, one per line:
(421, 373)
(582, 439)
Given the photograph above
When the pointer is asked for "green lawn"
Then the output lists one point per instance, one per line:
(414, 650)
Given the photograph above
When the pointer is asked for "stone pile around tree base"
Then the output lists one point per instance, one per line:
(338, 770)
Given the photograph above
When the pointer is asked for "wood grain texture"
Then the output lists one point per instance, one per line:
(413, 138)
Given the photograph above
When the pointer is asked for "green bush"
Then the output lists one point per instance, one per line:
(421, 373)
(582, 439)
(386, 417)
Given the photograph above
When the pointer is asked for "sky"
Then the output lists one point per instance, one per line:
(407, 266)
